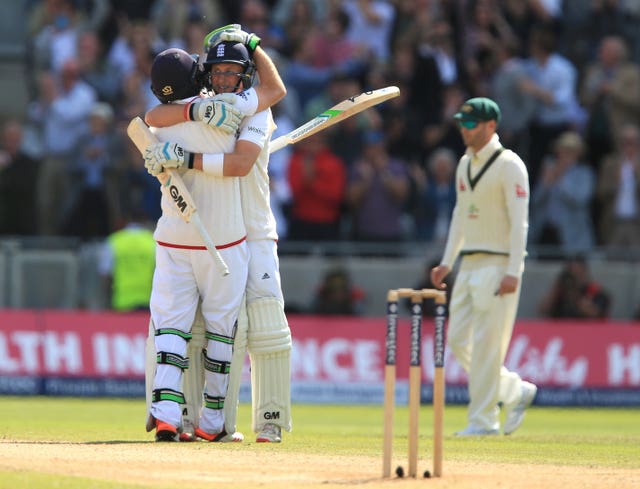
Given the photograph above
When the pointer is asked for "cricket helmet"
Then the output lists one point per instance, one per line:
(175, 75)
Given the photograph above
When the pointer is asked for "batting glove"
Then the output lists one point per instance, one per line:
(217, 111)
(159, 156)
(250, 40)
(213, 38)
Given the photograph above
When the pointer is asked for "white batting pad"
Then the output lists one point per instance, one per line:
(235, 371)
(193, 377)
(149, 372)
(269, 342)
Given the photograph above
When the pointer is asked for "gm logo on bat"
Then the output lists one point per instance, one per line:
(177, 198)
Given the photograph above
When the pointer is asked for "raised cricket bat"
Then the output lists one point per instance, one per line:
(339, 112)
(172, 185)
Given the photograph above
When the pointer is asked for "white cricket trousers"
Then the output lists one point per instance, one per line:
(183, 278)
(479, 332)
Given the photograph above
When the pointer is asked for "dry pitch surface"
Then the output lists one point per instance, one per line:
(251, 465)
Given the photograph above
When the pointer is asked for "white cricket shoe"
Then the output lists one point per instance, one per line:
(270, 433)
(475, 431)
(514, 415)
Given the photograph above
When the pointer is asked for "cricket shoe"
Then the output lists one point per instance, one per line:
(514, 415)
(475, 431)
(165, 431)
(222, 437)
(186, 437)
(270, 433)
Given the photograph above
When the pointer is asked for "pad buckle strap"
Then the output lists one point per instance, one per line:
(177, 332)
(216, 366)
(168, 358)
(167, 395)
(219, 338)
(212, 402)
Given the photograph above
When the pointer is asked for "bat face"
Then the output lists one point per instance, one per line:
(339, 112)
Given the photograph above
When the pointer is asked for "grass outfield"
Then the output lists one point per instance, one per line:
(101, 444)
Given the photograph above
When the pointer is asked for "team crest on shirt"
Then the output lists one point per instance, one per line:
(520, 191)
(473, 212)
(461, 186)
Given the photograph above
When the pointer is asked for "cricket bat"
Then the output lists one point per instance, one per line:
(339, 112)
(173, 186)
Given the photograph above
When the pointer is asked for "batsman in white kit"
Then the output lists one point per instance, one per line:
(263, 329)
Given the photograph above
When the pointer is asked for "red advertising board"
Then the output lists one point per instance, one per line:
(334, 352)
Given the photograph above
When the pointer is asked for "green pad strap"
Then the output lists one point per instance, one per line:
(167, 395)
(216, 366)
(212, 402)
(219, 338)
(168, 358)
(182, 334)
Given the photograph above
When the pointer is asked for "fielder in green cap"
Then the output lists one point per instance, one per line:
(489, 232)
(476, 110)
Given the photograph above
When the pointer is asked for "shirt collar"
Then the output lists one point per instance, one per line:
(485, 153)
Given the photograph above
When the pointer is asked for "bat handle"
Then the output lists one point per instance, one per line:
(278, 143)
(217, 258)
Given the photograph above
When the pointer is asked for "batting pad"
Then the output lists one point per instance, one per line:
(193, 377)
(149, 372)
(269, 342)
(235, 372)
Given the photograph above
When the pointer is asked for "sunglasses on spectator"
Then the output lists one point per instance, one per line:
(468, 124)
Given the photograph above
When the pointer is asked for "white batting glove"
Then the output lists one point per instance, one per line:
(159, 156)
(250, 40)
(217, 111)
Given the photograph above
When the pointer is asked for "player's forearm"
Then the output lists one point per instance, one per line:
(165, 115)
(271, 88)
(235, 164)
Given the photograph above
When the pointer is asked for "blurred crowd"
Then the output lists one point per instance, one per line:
(566, 74)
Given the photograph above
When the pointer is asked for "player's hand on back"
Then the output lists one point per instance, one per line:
(159, 156)
(217, 111)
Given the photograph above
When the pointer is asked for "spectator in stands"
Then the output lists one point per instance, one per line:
(609, 90)
(138, 192)
(332, 48)
(370, 24)
(444, 132)
(516, 105)
(618, 192)
(127, 263)
(434, 68)
(61, 111)
(279, 189)
(344, 139)
(337, 295)
(575, 295)
(317, 178)
(377, 193)
(93, 202)
(552, 82)
(172, 19)
(300, 23)
(254, 16)
(18, 176)
(560, 204)
(137, 39)
(483, 31)
(56, 41)
(436, 196)
(95, 70)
